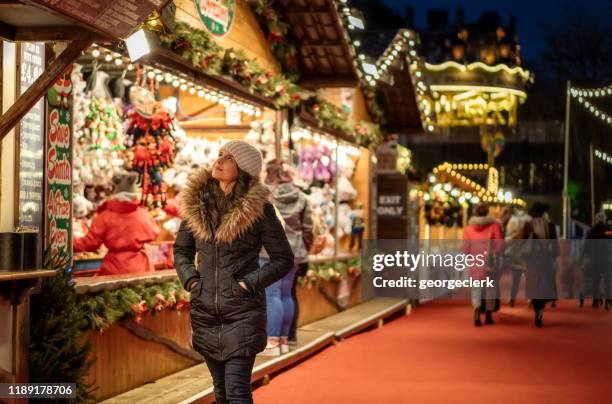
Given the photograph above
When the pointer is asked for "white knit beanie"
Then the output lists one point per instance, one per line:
(248, 158)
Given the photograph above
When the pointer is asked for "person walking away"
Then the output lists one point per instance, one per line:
(483, 235)
(541, 249)
(294, 208)
(599, 260)
(123, 227)
(514, 229)
(227, 218)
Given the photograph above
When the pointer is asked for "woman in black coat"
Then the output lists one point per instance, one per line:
(227, 218)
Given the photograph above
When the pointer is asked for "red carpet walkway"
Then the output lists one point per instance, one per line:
(436, 355)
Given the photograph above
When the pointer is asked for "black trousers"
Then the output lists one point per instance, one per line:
(539, 304)
(232, 379)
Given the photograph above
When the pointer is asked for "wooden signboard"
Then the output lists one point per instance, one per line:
(116, 18)
(31, 141)
(59, 166)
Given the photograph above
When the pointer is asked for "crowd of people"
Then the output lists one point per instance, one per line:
(524, 243)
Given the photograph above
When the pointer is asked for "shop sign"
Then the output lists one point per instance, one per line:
(31, 141)
(59, 166)
(391, 206)
(217, 15)
(117, 18)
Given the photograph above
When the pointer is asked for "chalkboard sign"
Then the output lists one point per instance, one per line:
(31, 141)
(116, 18)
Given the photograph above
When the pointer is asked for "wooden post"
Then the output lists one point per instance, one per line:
(31, 96)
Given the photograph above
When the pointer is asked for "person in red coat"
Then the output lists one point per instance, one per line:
(123, 227)
(483, 235)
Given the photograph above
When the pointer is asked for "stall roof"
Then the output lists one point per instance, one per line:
(46, 20)
(396, 91)
(326, 57)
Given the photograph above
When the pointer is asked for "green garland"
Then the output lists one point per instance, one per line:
(102, 310)
(200, 49)
(330, 271)
(328, 115)
(277, 32)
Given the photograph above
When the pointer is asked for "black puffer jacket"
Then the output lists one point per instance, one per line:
(227, 320)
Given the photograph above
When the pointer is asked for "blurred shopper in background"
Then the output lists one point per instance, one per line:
(541, 249)
(292, 204)
(514, 230)
(483, 235)
(598, 261)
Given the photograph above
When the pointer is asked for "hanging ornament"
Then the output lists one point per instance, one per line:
(493, 143)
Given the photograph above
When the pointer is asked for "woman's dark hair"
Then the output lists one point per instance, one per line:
(481, 210)
(218, 202)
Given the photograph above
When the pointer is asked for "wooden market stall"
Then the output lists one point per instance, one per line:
(32, 62)
(222, 81)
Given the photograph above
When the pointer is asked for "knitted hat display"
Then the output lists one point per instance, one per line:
(247, 157)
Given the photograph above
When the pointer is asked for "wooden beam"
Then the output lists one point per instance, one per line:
(38, 89)
(332, 81)
(7, 32)
(57, 34)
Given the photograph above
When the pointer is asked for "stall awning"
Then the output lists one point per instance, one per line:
(46, 20)
(325, 56)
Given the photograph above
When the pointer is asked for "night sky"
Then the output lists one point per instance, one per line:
(531, 15)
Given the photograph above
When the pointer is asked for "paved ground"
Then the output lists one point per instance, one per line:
(436, 355)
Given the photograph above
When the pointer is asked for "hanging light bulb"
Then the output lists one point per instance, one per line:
(95, 53)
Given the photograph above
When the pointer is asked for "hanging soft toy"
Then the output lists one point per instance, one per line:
(149, 130)
(307, 158)
(324, 169)
(357, 227)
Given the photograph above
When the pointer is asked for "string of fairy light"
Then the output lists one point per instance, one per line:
(603, 156)
(178, 81)
(405, 45)
(584, 95)
(463, 188)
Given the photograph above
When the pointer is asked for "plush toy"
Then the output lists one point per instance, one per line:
(81, 208)
(344, 219)
(357, 227)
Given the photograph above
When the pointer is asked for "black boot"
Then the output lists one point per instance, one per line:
(581, 302)
(489, 318)
(512, 302)
(477, 322)
(595, 303)
(538, 318)
(608, 304)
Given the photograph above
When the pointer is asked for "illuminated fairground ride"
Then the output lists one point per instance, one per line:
(475, 94)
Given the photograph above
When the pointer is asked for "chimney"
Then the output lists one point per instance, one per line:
(437, 19)
(409, 18)
(512, 25)
(460, 17)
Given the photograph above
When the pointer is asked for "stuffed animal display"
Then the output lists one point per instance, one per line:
(262, 136)
(152, 145)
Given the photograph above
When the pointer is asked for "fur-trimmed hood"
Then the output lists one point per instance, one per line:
(240, 215)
